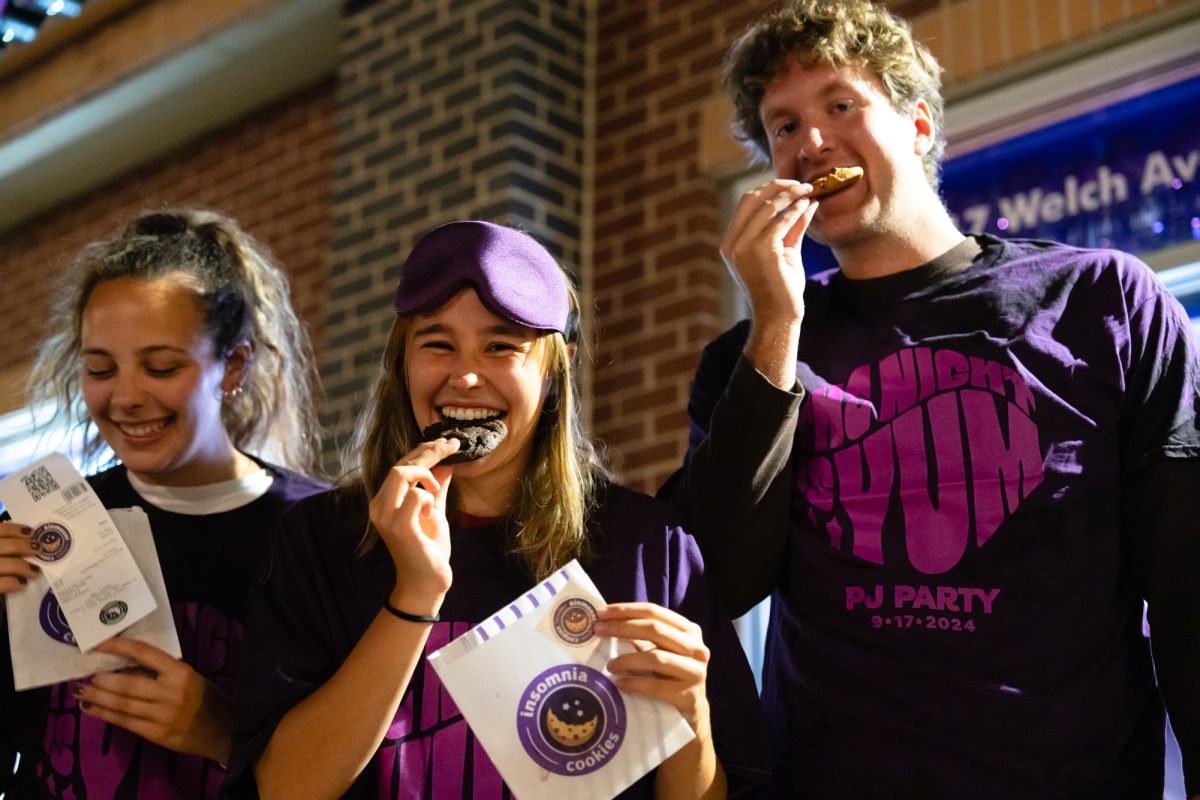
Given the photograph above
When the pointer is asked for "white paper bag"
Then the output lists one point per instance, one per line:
(532, 684)
(44, 650)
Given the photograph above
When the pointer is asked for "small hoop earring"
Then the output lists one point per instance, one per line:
(228, 395)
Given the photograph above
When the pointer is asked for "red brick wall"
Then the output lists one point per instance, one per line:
(446, 110)
(660, 287)
(972, 38)
(270, 170)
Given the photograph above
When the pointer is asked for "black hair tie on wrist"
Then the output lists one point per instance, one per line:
(404, 615)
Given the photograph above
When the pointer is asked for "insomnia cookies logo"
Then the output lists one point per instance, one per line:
(571, 720)
(53, 621)
(53, 541)
(575, 620)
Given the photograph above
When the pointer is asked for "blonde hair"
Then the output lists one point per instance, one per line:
(834, 32)
(242, 296)
(548, 522)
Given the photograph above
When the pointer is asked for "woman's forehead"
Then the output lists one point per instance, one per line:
(464, 310)
(138, 302)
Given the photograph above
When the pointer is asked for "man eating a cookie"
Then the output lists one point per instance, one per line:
(957, 464)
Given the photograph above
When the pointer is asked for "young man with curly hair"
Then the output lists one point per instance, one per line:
(957, 464)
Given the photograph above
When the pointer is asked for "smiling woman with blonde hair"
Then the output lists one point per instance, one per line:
(471, 480)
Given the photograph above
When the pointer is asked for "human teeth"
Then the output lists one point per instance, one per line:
(147, 429)
(454, 412)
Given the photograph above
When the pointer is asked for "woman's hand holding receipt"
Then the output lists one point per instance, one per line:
(16, 545)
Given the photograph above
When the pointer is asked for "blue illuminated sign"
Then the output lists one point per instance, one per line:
(1124, 176)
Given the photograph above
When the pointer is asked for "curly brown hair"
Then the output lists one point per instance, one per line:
(835, 32)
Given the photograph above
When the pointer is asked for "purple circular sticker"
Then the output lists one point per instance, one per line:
(53, 621)
(53, 539)
(571, 720)
(575, 620)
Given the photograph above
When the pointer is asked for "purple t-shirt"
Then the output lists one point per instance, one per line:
(956, 613)
(208, 562)
(320, 597)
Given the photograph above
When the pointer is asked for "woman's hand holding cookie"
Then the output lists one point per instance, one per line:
(409, 511)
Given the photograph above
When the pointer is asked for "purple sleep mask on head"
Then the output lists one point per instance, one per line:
(514, 276)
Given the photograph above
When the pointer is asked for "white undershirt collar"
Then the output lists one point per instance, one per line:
(212, 498)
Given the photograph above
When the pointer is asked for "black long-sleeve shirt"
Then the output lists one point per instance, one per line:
(765, 510)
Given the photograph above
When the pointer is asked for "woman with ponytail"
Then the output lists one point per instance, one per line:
(175, 344)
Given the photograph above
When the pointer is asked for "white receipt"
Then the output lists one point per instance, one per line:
(95, 578)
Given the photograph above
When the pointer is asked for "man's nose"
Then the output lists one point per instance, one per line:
(812, 142)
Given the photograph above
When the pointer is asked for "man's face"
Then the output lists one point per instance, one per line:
(825, 117)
